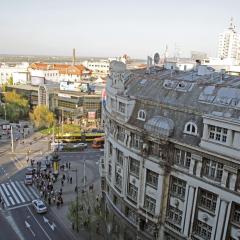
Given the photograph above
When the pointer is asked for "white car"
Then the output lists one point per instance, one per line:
(80, 145)
(39, 206)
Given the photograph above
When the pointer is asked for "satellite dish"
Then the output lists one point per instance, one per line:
(156, 58)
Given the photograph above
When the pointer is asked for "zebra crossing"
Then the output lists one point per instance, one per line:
(16, 193)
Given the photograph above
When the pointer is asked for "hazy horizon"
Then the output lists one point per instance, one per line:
(107, 28)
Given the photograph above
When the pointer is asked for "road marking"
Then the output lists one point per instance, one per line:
(29, 227)
(5, 189)
(13, 193)
(15, 227)
(33, 192)
(26, 188)
(38, 223)
(52, 226)
(23, 192)
(19, 194)
(19, 206)
(4, 197)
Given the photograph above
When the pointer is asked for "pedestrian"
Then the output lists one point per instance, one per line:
(62, 182)
(70, 180)
(63, 177)
(3, 204)
(66, 165)
(69, 165)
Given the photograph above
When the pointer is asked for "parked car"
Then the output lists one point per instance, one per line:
(80, 145)
(39, 206)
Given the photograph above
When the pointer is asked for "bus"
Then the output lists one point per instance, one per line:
(98, 142)
(78, 137)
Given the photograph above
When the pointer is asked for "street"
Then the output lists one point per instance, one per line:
(18, 214)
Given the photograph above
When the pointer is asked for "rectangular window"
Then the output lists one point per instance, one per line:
(203, 230)
(236, 214)
(110, 149)
(109, 171)
(183, 158)
(132, 192)
(121, 133)
(134, 166)
(120, 157)
(217, 133)
(212, 169)
(121, 107)
(174, 215)
(178, 187)
(136, 141)
(152, 178)
(150, 204)
(118, 180)
(155, 149)
(207, 200)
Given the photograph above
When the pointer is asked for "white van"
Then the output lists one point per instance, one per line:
(57, 146)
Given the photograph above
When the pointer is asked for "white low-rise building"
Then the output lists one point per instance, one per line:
(17, 72)
(171, 166)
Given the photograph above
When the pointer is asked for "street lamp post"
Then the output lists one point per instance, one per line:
(75, 170)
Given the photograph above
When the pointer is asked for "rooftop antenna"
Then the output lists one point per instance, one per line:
(166, 53)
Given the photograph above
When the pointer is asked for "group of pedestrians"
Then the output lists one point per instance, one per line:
(44, 181)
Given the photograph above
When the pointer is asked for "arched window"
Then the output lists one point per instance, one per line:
(190, 128)
(141, 115)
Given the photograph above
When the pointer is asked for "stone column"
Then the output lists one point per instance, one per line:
(124, 176)
(224, 178)
(205, 131)
(189, 209)
(229, 137)
(114, 159)
(221, 224)
(192, 164)
(199, 168)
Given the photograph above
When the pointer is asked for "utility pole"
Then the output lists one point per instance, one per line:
(84, 176)
(62, 122)
(12, 138)
(75, 170)
(5, 114)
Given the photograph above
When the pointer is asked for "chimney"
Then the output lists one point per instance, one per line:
(149, 64)
(73, 57)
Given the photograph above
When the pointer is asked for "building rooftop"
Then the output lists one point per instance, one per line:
(181, 97)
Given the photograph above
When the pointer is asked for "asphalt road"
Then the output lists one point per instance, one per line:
(38, 226)
(18, 218)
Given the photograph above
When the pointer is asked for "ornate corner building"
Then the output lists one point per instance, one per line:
(171, 167)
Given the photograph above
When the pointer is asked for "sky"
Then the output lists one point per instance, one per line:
(108, 28)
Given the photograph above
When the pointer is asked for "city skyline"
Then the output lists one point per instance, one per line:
(112, 29)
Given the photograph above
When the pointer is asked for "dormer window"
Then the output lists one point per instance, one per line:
(121, 107)
(190, 128)
(141, 115)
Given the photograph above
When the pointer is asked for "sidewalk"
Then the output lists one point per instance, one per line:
(69, 195)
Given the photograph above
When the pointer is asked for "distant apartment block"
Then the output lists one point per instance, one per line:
(229, 43)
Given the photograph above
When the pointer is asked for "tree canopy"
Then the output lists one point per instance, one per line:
(42, 117)
(16, 107)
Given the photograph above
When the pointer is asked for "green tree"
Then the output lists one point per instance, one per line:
(16, 107)
(10, 81)
(42, 117)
